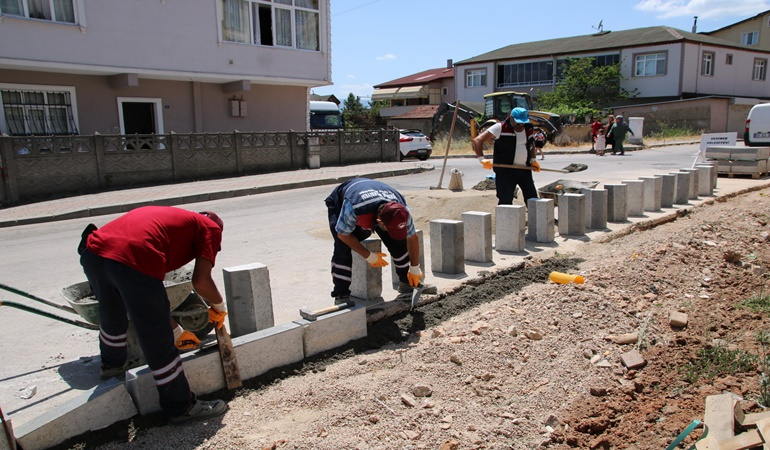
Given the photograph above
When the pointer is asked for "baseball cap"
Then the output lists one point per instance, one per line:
(395, 217)
(214, 218)
(520, 115)
(619, 117)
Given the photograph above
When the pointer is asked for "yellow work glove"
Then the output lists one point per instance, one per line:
(376, 259)
(535, 166)
(414, 276)
(217, 314)
(184, 340)
(487, 163)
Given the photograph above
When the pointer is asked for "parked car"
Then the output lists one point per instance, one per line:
(414, 144)
(757, 131)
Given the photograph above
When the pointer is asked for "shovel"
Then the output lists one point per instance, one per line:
(542, 169)
(416, 295)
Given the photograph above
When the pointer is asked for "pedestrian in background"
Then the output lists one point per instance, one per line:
(608, 140)
(618, 132)
(596, 128)
(125, 262)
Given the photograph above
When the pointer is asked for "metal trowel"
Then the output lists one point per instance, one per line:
(416, 295)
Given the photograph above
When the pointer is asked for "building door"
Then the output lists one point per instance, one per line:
(140, 115)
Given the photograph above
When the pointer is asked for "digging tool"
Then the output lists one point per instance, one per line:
(514, 166)
(309, 314)
(416, 295)
(448, 143)
(229, 363)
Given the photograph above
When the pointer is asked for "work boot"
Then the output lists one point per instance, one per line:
(405, 288)
(118, 372)
(341, 299)
(202, 409)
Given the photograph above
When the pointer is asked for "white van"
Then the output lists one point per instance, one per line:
(757, 132)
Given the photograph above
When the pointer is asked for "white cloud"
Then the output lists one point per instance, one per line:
(705, 9)
(386, 57)
(350, 76)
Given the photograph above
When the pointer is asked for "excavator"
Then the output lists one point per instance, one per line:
(497, 105)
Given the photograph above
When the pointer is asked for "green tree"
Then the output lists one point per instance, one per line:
(584, 89)
(357, 116)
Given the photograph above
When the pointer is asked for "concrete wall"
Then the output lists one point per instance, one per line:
(711, 115)
(37, 168)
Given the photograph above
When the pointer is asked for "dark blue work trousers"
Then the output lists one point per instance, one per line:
(506, 181)
(123, 292)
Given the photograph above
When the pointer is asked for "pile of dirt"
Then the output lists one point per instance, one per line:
(487, 184)
(514, 361)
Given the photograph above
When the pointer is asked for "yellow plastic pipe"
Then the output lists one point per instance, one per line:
(565, 278)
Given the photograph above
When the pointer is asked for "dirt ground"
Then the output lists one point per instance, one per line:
(513, 361)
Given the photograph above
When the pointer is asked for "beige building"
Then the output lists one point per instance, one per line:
(753, 32)
(160, 66)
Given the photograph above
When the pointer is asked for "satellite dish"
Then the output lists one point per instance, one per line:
(599, 27)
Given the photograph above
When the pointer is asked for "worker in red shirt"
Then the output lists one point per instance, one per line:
(125, 262)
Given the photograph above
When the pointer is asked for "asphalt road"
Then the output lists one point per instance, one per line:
(286, 230)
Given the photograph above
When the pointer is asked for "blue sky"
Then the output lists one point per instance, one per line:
(375, 41)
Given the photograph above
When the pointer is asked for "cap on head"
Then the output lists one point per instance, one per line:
(520, 115)
(395, 216)
(214, 218)
(619, 117)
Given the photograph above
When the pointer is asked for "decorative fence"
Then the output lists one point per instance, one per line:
(34, 168)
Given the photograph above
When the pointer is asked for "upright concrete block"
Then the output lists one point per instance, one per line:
(394, 276)
(249, 298)
(333, 330)
(97, 408)
(510, 224)
(366, 280)
(635, 197)
(447, 250)
(704, 179)
(653, 188)
(540, 212)
(572, 215)
(667, 190)
(596, 208)
(682, 188)
(477, 234)
(256, 354)
(617, 197)
(694, 182)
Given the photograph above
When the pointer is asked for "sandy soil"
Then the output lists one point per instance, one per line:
(513, 361)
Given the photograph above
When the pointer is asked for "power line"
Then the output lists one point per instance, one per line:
(353, 9)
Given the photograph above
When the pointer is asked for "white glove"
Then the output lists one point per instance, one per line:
(481, 159)
(218, 307)
(414, 276)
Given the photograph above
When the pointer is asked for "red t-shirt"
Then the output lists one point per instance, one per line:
(596, 126)
(157, 239)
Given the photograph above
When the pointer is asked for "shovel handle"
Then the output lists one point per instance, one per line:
(542, 169)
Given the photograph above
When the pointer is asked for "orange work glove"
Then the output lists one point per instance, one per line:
(377, 259)
(414, 275)
(487, 163)
(535, 166)
(217, 314)
(185, 340)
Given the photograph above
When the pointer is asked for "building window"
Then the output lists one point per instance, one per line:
(476, 78)
(650, 64)
(531, 73)
(37, 110)
(750, 38)
(598, 61)
(51, 10)
(760, 70)
(707, 64)
(729, 59)
(281, 23)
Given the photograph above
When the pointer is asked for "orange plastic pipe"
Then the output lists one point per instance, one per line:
(565, 278)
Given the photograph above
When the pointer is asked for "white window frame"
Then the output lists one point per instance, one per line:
(707, 64)
(252, 35)
(25, 11)
(750, 38)
(40, 88)
(158, 111)
(760, 69)
(476, 78)
(642, 59)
